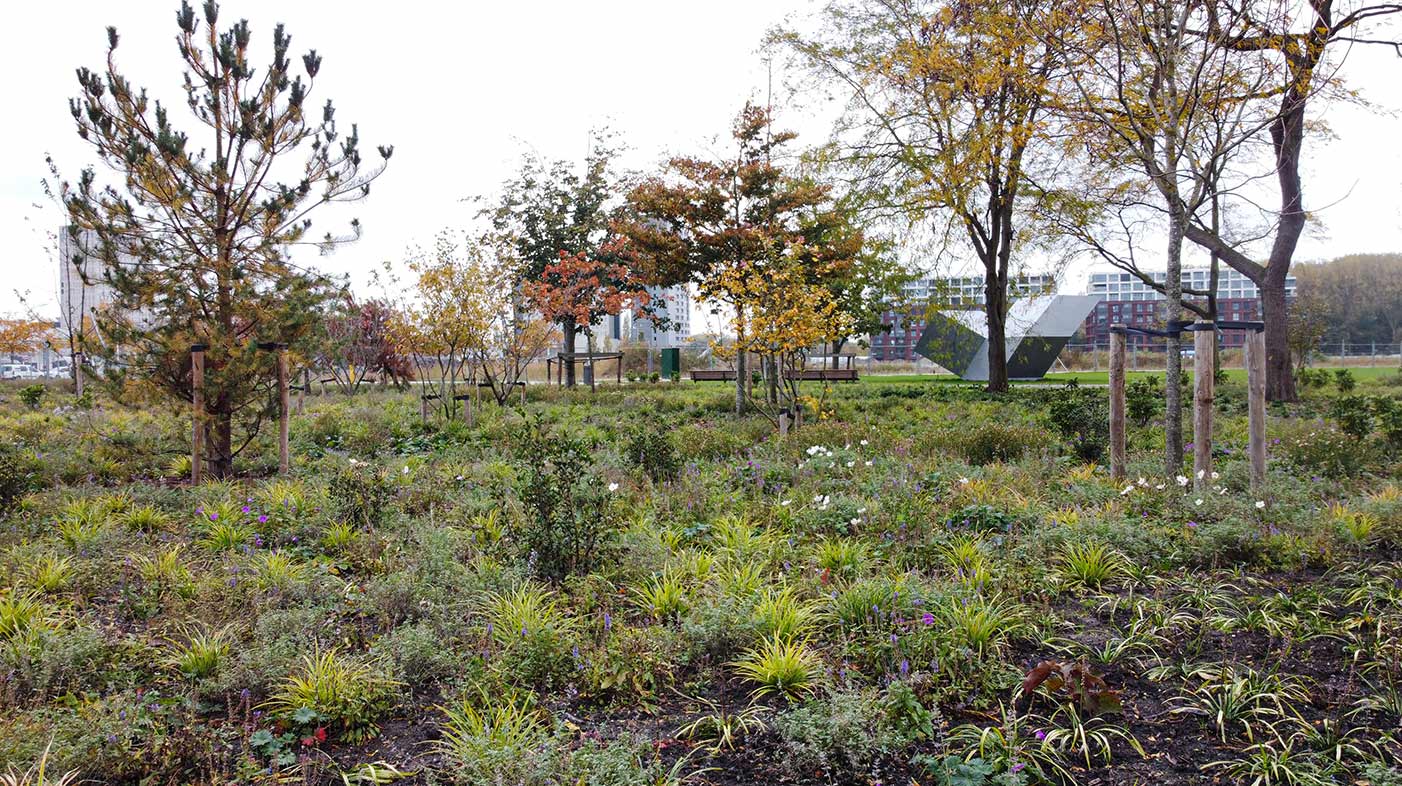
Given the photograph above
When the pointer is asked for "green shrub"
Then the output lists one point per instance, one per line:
(360, 495)
(16, 477)
(1354, 414)
(334, 690)
(1143, 399)
(1344, 381)
(1324, 450)
(995, 440)
(566, 504)
(32, 395)
(1082, 418)
(650, 449)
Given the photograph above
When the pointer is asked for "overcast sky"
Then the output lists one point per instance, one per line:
(463, 89)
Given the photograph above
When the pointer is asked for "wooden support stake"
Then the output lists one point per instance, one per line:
(423, 409)
(78, 374)
(302, 391)
(1256, 406)
(1204, 345)
(1117, 404)
(284, 411)
(783, 423)
(197, 413)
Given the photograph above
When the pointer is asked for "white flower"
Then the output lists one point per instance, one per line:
(404, 471)
(1159, 487)
(855, 522)
(784, 503)
(860, 511)
(1215, 476)
(963, 481)
(1202, 473)
(864, 443)
(815, 450)
(459, 477)
(818, 499)
(613, 487)
(868, 464)
(1142, 481)
(1197, 501)
(1182, 481)
(1260, 504)
(1127, 489)
(851, 464)
(353, 462)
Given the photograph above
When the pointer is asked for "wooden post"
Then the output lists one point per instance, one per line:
(78, 374)
(284, 410)
(302, 391)
(783, 423)
(1204, 346)
(522, 383)
(1117, 402)
(197, 413)
(423, 408)
(1256, 406)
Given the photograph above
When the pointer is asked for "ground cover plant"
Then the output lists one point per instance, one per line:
(928, 584)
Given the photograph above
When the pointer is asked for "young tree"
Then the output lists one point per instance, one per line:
(945, 118)
(1152, 97)
(549, 209)
(356, 341)
(579, 290)
(789, 311)
(445, 327)
(194, 242)
(722, 224)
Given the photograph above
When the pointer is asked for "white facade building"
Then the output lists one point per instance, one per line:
(1231, 284)
(969, 290)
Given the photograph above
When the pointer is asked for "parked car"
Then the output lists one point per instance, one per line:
(18, 371)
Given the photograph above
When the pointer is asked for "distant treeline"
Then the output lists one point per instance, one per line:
(1358, 297)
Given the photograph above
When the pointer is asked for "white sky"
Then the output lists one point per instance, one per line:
(463, 89)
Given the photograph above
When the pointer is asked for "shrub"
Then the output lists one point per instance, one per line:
(1324, 450)
(1344, 381)
(996, 440)
(566, 506)
(650, 449)
(1143, 399)
(32, 395)
(360, 495)
(496, 740)
(843, 735)
(1082, 418)
(1354, 414)
(533, 633)
(16, 477)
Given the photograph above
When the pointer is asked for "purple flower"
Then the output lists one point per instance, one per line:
(262, 519)
(214, 517)
(1017, 767)
(1192, 525)
(245, 508)
(927, 618)
(608, 621)
(1040, 735)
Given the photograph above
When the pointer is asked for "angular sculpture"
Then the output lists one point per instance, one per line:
(1037, 329)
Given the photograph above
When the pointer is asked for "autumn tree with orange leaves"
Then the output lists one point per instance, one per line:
(579, 290)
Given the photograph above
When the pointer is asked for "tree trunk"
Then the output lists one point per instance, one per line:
(740, 381)
(1280, 377)
(996, 309)
(221, 445)
(1287, 140)
(1173, 365)
(570, 331)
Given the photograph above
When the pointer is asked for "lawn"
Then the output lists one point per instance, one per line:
(926, 584)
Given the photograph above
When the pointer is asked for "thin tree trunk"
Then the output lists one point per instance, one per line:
(1173, 363)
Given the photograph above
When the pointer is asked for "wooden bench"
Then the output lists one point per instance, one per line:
(712, 375)
(826, 375)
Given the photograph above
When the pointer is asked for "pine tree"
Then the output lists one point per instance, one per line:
(194, 237)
